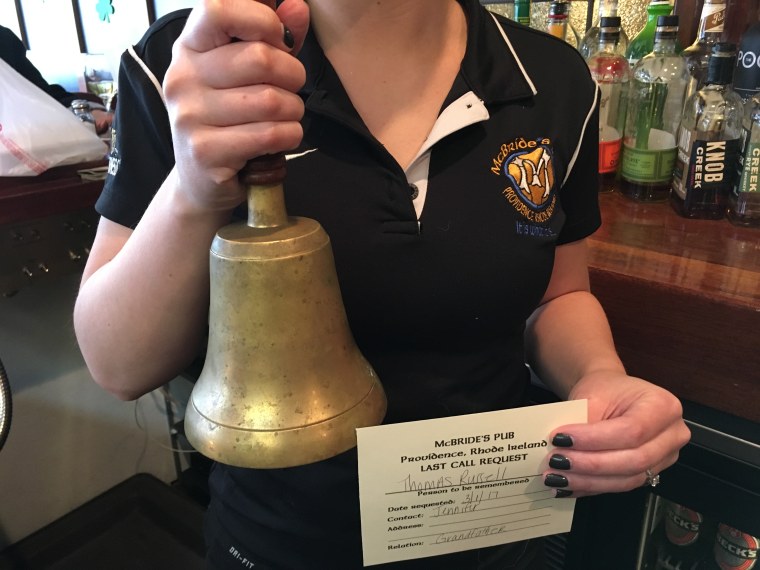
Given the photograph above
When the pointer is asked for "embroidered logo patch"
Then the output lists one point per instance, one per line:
(529, 172)
(532, 173)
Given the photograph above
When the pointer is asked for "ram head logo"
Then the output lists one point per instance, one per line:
(533, 175)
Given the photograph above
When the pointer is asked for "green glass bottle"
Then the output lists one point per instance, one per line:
(522, 12)
(643, 43)
(655, 102)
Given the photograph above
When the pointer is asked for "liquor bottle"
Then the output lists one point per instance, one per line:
(590, 41)
(522, 12)
(558, 23)
(733, 550)
(744, 200)
(747, 72)
(611, 72)
(686, 540)
(698, 54)
(643, 42)
(655, 102)
(708, 142)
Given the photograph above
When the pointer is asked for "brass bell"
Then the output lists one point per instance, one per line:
(284, 383)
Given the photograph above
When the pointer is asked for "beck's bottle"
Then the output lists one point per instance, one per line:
(686, 541)
(733, 550)
(708, 142)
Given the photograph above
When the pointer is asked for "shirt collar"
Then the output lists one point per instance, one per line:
(491, 67)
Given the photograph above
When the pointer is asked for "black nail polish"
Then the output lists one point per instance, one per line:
(558, 461)
(287, 37)
(554, 480)
(561, 493)
(562, 440)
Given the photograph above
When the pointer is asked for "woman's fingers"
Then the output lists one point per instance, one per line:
(240, 106)
(249, 63)
(592, 472)
(214, 23)
(231, 147)
(634, 426)
(231, 93)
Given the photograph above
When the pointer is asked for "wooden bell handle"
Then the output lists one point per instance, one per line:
(262, 177)
(263, 170)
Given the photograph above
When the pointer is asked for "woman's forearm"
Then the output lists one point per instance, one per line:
(568, 338)
(143, 303)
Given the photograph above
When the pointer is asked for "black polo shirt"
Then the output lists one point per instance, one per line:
(439, 264)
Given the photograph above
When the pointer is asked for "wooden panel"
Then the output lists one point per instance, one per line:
(683, 299)
(695, 346)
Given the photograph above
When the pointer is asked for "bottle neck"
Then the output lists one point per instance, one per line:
(664, 45)
(711, 21)
(720, 70)
(557, 26)
(522, 11)
(608, 42)
(608, 8)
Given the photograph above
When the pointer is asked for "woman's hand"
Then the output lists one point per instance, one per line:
(103, 120)
(231, 94)
(633, 426)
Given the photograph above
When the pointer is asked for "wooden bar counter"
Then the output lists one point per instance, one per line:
(55, 191)
(47, 225)
(683, 300)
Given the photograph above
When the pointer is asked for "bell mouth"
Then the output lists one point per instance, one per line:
(289, 447)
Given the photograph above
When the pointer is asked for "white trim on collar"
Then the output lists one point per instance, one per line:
(148, 72)
(514, 54)
(465, 111)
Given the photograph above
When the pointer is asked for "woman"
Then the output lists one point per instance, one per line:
(451, 157)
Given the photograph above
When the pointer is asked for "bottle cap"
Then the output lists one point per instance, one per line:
(667, 27)
(610, 22)
(670, 21)
(559, 9)
(609, 28)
